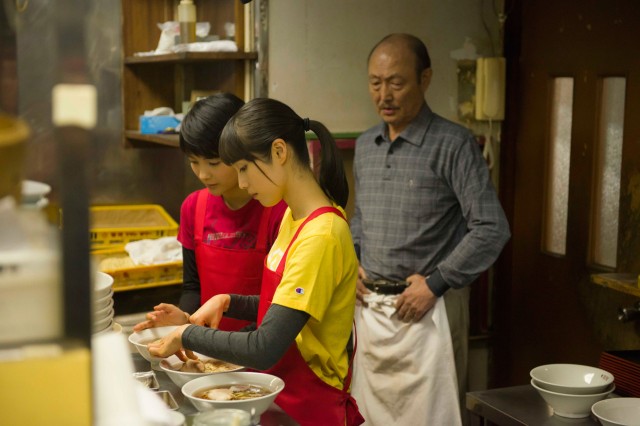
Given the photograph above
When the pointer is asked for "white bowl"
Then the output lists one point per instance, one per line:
(618, 411)
(572, 378)
(141, 339)
(570, 405)
(104, 323)
(180, 378)
(103, 312)
(254, 406)
(102, 284)
(102, 302)
(32, 191)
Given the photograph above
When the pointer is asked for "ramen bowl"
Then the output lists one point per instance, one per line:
(102, 286)
(254, 406)
(141, 339)
(572, 379)
(180, 378)
(618, 411)
(570, 405)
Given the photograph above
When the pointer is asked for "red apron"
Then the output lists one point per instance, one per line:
(228, 271)
(305, 397)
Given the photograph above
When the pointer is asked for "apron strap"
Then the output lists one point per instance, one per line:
(313, 215)
(201, 209)
(263, 230)
(347, 380)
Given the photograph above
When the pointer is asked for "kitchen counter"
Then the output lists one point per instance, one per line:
(274, 416)
(515, 406)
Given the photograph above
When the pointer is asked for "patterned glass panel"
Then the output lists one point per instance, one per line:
(557, 178)
(604, 237)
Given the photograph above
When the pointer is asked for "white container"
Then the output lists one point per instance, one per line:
(30, 295)
(187, 19)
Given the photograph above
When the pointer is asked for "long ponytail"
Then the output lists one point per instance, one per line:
(331, 176)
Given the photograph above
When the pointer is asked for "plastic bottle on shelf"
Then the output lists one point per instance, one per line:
(187, 19)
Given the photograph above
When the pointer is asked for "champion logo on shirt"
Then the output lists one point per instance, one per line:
(299, 290)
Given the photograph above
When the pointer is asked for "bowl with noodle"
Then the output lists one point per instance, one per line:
(252, 392)
(183, 372)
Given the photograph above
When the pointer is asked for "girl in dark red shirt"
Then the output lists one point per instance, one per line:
(225, 233)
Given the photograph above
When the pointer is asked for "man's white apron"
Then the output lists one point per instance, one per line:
(404, 372)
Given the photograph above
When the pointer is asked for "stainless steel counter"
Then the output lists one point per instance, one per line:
(515, 406)
(272, 417)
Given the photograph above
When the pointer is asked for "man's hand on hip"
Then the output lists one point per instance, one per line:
(416, 300)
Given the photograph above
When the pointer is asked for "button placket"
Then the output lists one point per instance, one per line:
(388, 163)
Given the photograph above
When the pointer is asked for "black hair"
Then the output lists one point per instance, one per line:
(201, 128)
(251, 131)
(423, 61)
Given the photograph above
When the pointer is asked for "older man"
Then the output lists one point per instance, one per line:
(427, 214)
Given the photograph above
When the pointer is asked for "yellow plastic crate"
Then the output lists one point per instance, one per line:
(128, 276)
(115, 226)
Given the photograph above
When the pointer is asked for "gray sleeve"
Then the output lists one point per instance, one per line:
(259, 349)
(487, 226)
(243, 307)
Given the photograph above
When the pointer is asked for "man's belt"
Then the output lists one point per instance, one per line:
(382, 286)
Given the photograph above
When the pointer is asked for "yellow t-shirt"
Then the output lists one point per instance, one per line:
(319, 278)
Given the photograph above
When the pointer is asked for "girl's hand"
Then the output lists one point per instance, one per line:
(171, 344)
(210, 314)
(163, 314)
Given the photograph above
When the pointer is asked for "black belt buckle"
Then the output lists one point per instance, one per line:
(382, 286)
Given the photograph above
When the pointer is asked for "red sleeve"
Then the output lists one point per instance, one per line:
(187, 218)
(275, 219)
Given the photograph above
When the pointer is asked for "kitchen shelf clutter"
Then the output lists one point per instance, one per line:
(176, 79)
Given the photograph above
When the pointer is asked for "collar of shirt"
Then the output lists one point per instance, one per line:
(415, 131)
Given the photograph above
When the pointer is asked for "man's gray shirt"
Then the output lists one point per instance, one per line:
(425, 204)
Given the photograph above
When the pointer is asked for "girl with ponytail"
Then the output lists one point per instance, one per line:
(304, 313)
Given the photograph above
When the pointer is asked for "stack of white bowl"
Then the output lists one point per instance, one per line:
(571, 389)
(102, 312)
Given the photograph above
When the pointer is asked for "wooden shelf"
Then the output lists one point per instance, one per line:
(186, 57)
(174, 79)
(138, 139)
(625, 283)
